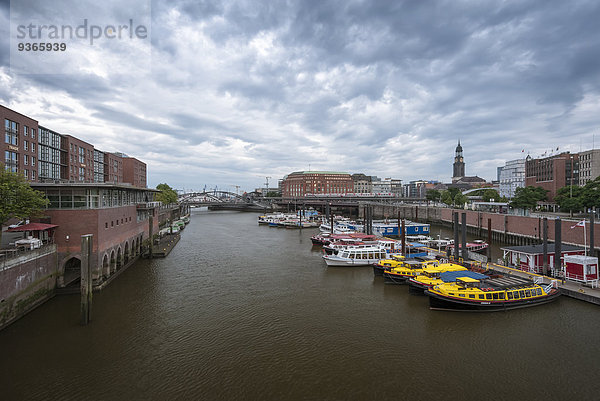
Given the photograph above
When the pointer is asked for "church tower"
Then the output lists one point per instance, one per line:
(459, 164)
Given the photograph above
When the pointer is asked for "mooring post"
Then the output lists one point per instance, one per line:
(416, 213)
(399, 224)
(86, 278)
(489, 240)
(558, 247)
(545, 245)
(456, 240)
(403, 236)
(151, 234)
(465, 252)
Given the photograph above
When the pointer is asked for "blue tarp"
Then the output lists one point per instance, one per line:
(450, 277)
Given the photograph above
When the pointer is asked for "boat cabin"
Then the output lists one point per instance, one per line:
(581, 268)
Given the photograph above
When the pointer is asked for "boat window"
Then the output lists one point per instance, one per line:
(496, 295)
(509, 295)
(481, 296)
(502, 295)
(488, 296)
(539, 291)
(528, 293)
(461, 295)
(516, 294)
(387, 264)
(352, 256)
(471, 295)
(522, 294)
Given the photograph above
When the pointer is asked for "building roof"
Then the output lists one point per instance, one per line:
(539, 248)
(33, 227)
(471, 179)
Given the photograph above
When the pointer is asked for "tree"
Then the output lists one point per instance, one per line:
(446, 198)
(433, 195)
(528, 197)
(570, 198)
(460, 200)
(167, 194)
(17, 198)
(490, 195)
(590, 195)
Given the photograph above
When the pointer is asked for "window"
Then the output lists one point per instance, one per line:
(495, 295)
(32, 147)
(32, 133)
(106, 225)
(112, 223)
(488, 296)
(539, 291)
(516, 294)
(481, 296)
(26, 160)
(25, 173)
(509, 295)
(32, 161)
(25, 130)
(471, 295)
(522, 294)
(33, 174)
(528, 293)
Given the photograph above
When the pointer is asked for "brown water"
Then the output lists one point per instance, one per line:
(242, 312)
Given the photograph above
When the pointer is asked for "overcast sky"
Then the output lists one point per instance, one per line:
(235, 91)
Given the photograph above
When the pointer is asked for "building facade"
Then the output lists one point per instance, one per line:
(552, 172)
(302, 183)
(362, 183)
(134, 172)
(20, 144)
(512, 176)
(44, 155)
(589, 166)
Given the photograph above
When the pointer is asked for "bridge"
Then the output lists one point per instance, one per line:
(222, 200)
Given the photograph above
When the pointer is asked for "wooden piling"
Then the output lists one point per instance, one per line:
(557, 245)
(489, 240)
(151, 233)
(86, 279)
(545, 245)
(464, 253)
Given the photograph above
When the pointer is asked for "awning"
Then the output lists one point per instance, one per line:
(33, 227)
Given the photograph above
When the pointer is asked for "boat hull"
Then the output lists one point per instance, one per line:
(393, 278)
(378, 270)
(417, 288)
(437, 302)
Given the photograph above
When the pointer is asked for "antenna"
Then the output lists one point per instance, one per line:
(267, 184)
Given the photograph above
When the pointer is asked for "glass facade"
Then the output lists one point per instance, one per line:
(94, 197)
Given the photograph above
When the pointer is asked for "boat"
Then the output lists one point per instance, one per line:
(493, 294)
(356, 256)
(326, 238)
(443, 273)
(476, 246)
(406, 269)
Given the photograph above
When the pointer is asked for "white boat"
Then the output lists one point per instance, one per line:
(356, 255)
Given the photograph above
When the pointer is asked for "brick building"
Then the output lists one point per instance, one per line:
(116, 214)
(44, 155)
(552, 172)
(20, 144)
(134, 172)
(589, 166)
(302, 183)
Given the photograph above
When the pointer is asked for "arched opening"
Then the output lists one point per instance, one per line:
(105, 266)
(72, 272)
(119, 258)
(126, 253)
(137, 246)
(113, 262)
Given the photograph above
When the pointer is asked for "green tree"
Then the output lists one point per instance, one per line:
(570, 198)
(433, 195)
(166, 195)
(590, 195)
(528, 197)
(17, 198)
(446, 198)
(460, 200)
(490, 195)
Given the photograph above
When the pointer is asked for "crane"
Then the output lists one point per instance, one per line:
(267, 184)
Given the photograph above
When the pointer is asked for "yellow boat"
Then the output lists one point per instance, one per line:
(407, 269)
(386, 264)
(493, 294)
(432, 275)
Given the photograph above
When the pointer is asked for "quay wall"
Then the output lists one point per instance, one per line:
(26, 281)
(511, 229)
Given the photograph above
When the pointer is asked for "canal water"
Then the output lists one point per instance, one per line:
(245, 312)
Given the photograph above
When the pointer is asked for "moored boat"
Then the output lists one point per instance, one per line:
(356, 256)
(435, 275)
(407, 269)
(494, 294)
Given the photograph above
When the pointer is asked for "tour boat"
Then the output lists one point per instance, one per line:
(356, 256)
(494, 294)
(326, 238)
(475, 246)
(405, 270)
(443, 273)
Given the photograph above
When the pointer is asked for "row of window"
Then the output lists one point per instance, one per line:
(11, 132)
(510, 295)
(112, 223)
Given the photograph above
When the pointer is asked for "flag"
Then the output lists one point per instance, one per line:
(523, 151)
(580, 224)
